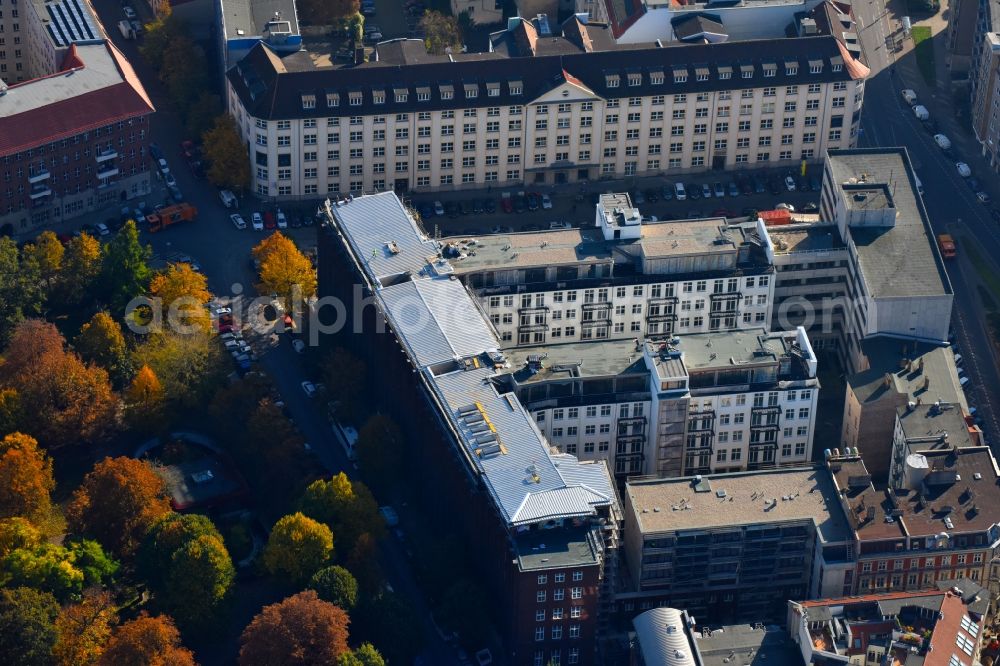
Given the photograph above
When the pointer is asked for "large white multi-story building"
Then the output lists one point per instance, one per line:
(541, 110)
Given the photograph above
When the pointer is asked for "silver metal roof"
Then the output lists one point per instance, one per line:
(437, 320)
(385, 239)
(528, 483)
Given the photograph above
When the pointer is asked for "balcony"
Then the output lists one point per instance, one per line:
(39, 191)
(105, 155)
(38, 176)
(107, 172)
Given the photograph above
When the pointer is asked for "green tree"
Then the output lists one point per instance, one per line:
(273, 447)
(61, 571)
(20, 288)
(336, 585)
(81, 265)
(362, 562)
(344, 375)
(184, 71)
(441, 33)
(10, 410)
(298, 547)
(365, 655)
(381, 451)
(101, 342)
(27, 626)
(125, 273)
(201, 114)
(185, 561)
(160, 34)
(347, 507)
(227, 155)
(392, 625)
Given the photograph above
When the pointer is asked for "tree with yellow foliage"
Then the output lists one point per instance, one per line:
(283, 269)
(183, 293)
(26, 479)
(298, 547)
(47, 252)
(81, 264)
(101, 342)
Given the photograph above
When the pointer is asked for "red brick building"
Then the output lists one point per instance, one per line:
(74, 141)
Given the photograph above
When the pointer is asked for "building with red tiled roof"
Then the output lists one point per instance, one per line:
(73, 141)
(938, 627)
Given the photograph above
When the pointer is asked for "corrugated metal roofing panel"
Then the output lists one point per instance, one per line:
(384, 237)
(437, 320)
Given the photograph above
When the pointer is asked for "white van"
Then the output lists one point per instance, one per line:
(943, 142)
(228, 198)
(909, 95)
(920, 186)
(679, 193)
(348, 439)
(921, 112)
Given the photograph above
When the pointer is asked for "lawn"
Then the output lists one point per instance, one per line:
(923, 46)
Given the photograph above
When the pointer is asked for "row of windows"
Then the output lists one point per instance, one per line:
(915, 563)
(557, 632)
(559, 594)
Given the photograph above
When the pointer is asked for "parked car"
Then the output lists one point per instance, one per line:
(506, 204)
(309, 389)
(257, 221)
(651, 196)
(238, 221)
(128, 12)
(269, 222)
(667, 192)
(280, 218)
(155, 152)
(520, 204)
(175, 193)
(451, 209)
(810, 207)
(102, 229)
(775, 185)
(734, 189)
(426, 211)
(477, 206)
(438, 208)
(679, 192)
(532, 201)
(910, 96)
(759, 184)
(694, 191)
(943, 142)
(637, 198)
(489, 205)
(719, 190)
(983, 197)
(963, 169)
(706, 191)
(228, 199)
(789, 183)
(560, 225)
(546, 202)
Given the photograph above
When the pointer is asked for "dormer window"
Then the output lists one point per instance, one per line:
(378, 97)
(725, 73)
(770, 70)
(332, 100)
(471, 91)
(492, 89)
(701, 73)
(515, 87)
(308, 101)
(656, 78)
(680, 76)
(611, 80)
(423, 94)
(746, 71)
(815, 66)
(791, 68)
(447, 92)
(355, 98)
(634, 80)
(401, 94)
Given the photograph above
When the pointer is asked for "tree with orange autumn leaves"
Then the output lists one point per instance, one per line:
(146, 641)
(117, 503)
(26, 480)
(62, 401)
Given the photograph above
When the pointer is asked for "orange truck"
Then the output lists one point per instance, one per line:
(947, 246)
(165, 217)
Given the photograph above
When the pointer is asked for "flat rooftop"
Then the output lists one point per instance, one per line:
(889, 356)
(578, 359)
(812, 238)
(728, 348)
(68, 21)
(769, 645)
(708, 235)
(246, 19)
(550, 549)
(747, 498)
(932, 426)
(901, 260)
(527, 249)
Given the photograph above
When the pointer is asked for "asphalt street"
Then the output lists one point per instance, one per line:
(952, 207)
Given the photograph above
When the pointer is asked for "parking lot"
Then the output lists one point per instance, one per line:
(528, 209)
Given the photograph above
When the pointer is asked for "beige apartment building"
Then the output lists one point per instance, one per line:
(35, 35)
(540, 111)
